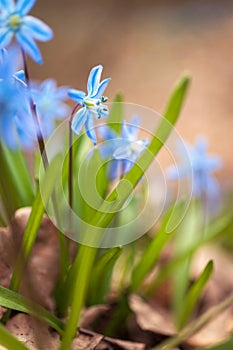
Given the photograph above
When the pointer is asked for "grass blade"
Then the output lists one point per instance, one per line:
(101, 276)
(15, 301)
(34, 221)
(194, 293)
(102, 218)
(152, 253)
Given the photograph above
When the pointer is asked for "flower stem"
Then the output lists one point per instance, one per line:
(84, 263)
(64, 248)
(70, 174)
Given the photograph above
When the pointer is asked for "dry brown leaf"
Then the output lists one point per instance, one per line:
(215, 331)
(107, 343)
(90, 314)
(123, 344)
(43, 268)
(34, 334)
(86, 341)
(154, 319)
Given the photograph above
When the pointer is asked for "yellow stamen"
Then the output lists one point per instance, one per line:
(15, 21)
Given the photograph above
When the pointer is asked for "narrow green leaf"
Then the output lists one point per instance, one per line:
(16, 186)
(129, 181)
(116, 114)
(9, 341)
(15, 301)
(185, 236)
(153, 251)
(119, 195)
(34, 221)
(194, 293)
(212, 232)
(101, 276)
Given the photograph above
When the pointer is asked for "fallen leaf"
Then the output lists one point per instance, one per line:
(34, 334)
(154, 319)
(90, 314)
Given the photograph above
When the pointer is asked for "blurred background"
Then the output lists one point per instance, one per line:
(145, 46)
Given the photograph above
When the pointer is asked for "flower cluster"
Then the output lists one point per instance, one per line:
(15, 119)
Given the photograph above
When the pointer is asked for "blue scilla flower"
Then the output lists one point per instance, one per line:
(200, 168)
(92, 103)
(8, 66)
(124, 149)
(14, 22)
(131, 147)
(16, 125)
(50, 105)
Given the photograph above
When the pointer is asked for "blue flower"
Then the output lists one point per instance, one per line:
(131, 147)
(16, 125)
(92, 103)
(8, 64)
(14, 22)
(123, 150)
(49, 100)
(200, 168)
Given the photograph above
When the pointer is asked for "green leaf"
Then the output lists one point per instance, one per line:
(116, 114)
(194, 293)
(34, 221)
(9, 341)
(16, 186)
(101, 276)
(185, 236)
(15, 301)
(154, 249)
(214, 230)
(93, 171)
(85, 258)
(119, 195)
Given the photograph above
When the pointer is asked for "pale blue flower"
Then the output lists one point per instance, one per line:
(50, 105)
(15, 22)
(200, 169)
(16, 125)
(92, 103)
(123, 150)
(131, 147)
(8, 66)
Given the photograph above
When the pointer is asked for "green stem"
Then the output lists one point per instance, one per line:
(64, 247)
(196, 325)
(84, 262)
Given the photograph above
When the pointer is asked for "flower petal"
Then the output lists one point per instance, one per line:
(90, 128)
(123, 152)
(102, 86)
(5, 37)
(213, 163)
(24, 6)
(27, 43)
(77, 95)
(114, 169)
(94, 80)
(106, 133)
(39, 30)
(7, 5)
(79, 120)
(201, 145)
